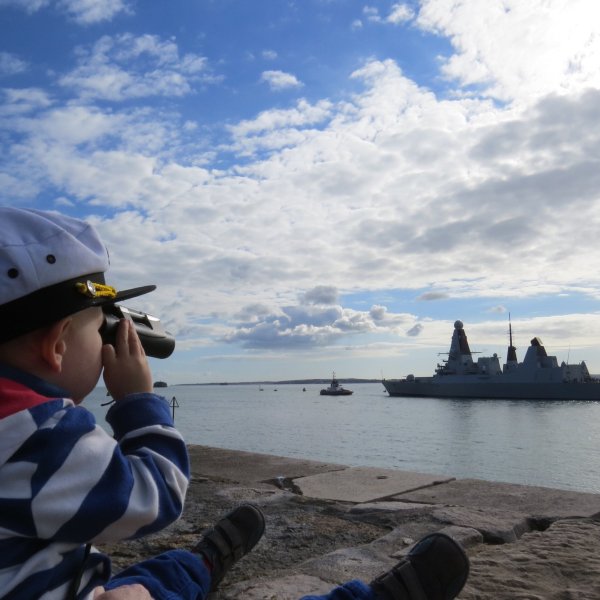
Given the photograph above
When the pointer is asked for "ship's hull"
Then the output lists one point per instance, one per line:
(493, 390)
(336, 392)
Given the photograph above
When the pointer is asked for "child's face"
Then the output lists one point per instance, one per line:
(82, 360)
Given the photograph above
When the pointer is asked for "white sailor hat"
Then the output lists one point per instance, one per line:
(51, 266)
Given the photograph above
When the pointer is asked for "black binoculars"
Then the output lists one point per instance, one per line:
(156, 342)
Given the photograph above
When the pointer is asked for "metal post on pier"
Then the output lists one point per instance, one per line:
(173, 404)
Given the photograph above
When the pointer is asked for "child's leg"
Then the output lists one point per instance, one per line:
(176, 574)
(134, 591)
(353, 590)
(183, 575)
(436, 568)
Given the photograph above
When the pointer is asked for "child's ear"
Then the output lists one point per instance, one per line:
(53, 344)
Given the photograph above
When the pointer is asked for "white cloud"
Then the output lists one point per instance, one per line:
(322, 294)
(86, 12)
(11, 64)
(279, 80)
(269, 54)
(429, 296)
(378, 312)
(400, 13)
(127, 66)
(498, 309)
(83, 12)
(301, 115)
(14, 187)
(23, 100)
(29, 6)
(519, 50)
(276, 129)
(372, 14)
(415, 330)
(308, 325)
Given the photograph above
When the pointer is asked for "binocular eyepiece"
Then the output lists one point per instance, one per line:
(156, 342)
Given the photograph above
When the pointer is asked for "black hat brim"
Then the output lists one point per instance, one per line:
(50, 304)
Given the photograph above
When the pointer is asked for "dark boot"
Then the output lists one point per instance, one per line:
(230, 539)
(436, 568)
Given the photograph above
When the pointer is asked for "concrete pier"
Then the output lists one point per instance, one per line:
(328, 523)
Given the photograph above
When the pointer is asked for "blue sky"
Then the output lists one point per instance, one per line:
(320, 185)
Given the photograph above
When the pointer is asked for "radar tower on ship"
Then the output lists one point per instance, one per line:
(511, 356)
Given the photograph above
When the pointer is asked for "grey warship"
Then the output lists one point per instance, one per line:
(538, 377)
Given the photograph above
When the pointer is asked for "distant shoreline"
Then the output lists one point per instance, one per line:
(285, 382)
(266, 382)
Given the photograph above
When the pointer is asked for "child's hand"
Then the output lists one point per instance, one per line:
(126, 369)
(134, 591)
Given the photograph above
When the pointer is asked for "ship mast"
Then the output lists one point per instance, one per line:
(511, 356)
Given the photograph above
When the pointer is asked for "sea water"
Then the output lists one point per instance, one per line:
(547, 443)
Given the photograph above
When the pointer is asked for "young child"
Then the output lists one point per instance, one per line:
(64, 482)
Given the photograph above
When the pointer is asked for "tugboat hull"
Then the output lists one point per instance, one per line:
(335, 389)
(336, 393)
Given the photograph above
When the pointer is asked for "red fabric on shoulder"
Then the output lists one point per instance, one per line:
(15, 397)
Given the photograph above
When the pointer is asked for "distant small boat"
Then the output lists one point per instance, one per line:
(160, 384)
(335, 389)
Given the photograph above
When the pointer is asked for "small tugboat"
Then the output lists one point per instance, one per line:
(335, 389)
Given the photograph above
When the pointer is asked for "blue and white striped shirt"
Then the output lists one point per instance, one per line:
(65, 482)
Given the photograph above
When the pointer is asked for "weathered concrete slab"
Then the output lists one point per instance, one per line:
(364, 484)
(496, 526)
(363, 562)
(536, 502)
(561, 563)
(466, 536)
(290, 587)
(251, 467)
(386, 507)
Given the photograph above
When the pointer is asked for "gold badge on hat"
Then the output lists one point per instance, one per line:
(96, 290)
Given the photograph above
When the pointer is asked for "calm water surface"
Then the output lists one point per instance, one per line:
(553, 444)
